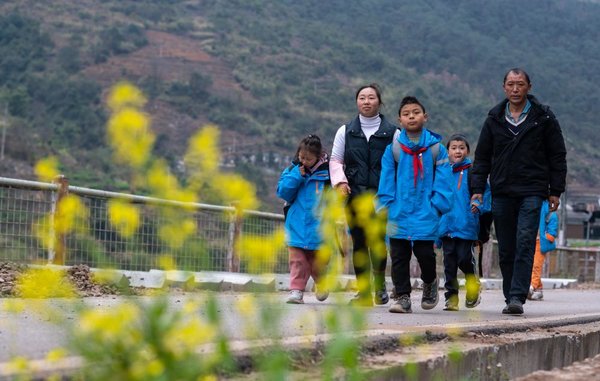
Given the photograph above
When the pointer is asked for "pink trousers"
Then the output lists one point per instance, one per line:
(303, 265)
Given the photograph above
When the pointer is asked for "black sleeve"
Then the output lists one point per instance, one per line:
(556, 154)
(482, 162)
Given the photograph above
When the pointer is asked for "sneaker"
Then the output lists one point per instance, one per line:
(530, 293)
(296, 297)
(514, 307)
(537, 294)
(430, 296)
(381, 296)
(321, 295)
(401, 304)
(473, 297)
(360, 300)
(451, 303)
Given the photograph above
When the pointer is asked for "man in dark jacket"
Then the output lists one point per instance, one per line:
(522, 150)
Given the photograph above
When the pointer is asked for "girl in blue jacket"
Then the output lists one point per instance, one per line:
(460, 227)
(301, 185)
(414, 190)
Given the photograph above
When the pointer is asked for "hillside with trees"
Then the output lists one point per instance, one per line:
(269, 72)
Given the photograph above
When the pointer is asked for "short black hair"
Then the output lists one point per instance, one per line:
(458, 138)
(517, 71)
(410, 100)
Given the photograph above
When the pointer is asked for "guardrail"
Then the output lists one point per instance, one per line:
(24, 204)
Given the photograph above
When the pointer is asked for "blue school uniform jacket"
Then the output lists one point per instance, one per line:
(303, 221)
(415, 197)
(460, 222)
(548, 225)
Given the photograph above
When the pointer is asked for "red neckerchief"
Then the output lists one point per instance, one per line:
(461, 168)
(417, 160)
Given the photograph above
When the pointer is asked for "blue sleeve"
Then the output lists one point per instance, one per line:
(386, 192)
(289, 182)
(442, 197)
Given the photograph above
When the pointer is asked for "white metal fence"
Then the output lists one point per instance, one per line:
(24, 204)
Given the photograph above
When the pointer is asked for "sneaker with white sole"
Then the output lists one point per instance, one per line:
(537, 294)
(401, 304)
(430, 296)
(295, 297)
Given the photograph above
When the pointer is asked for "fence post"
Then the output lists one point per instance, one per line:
(57, 250)
(597, 275)
(235, 230)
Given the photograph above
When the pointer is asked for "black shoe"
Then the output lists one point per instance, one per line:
(381, 296)
(360, 300)
(430, 296)
(514, 307)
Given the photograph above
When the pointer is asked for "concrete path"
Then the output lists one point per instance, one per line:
(31, 332)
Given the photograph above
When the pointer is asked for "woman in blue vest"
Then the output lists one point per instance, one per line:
(355, 167)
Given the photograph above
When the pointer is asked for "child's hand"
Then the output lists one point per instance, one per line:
(476, 201)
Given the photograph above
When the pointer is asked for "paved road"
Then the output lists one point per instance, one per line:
(32, 334)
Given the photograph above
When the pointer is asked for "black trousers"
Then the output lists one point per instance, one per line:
(367, 255)
(458, 254)
(401, 251)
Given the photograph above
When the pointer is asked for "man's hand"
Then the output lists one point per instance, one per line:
(343, 188)
(554, 202)
(476, 201)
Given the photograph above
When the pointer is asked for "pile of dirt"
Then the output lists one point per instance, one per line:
(80, 276)
(9, 272)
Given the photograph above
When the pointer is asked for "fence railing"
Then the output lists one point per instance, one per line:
(25, 206)
(28, 207)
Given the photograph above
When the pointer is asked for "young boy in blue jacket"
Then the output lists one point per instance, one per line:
(459, 228)
(545, 242)
(302, 185)
(414, 191)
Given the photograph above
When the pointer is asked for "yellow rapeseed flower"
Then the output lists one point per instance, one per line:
(261, 251)
(236, 190)
(124, 94)
(203, 155)
(71, 215)
(47, 169)
(167, 263)
(125, 217)
(110, 325)
(210, 377)
(175, 233)
(19, 364)
(14, 305)
(56, 354)
(44, 283)
(130, 136)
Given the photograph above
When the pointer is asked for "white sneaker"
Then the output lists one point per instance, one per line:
(530, 293)
(296, 297)
(537, 294)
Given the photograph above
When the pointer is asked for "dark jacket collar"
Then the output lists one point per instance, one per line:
(497, 112)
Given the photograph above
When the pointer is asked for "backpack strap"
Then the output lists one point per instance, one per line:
(435, 149)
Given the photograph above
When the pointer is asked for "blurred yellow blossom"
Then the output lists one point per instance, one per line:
(111, 324)
(71, 215)
(130, 137)
(14, 305)
(44, 283)
(125, 217)
(175, 233)
(203, 153)
(125, 94)
(19, 364)
(236, 190)
(261, 251)
(47, 169)
(56, 354)
(167, 263)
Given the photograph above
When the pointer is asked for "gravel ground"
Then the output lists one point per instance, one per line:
(588, 370)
